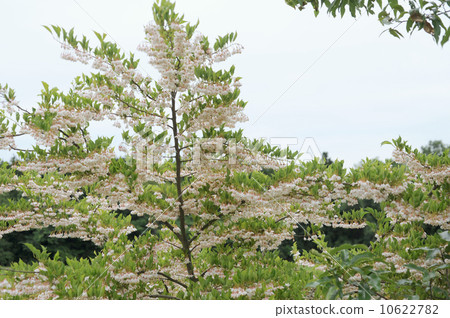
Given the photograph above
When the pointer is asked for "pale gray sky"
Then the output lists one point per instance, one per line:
(364, 89)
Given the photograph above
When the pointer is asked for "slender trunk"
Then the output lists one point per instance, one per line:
(184, 239)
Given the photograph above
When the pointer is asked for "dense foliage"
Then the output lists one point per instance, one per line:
(217, 206)
(432, 17)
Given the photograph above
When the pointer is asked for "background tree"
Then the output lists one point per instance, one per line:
(327, 160)
(12, 245)
(435, 147)
(431, 17)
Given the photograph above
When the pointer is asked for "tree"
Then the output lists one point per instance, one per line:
(218, 204)
(183, 168)
(435, 147)
(430, 16)
(416, 221)
(327, 160)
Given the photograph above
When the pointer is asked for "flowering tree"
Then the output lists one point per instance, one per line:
(409, 257)
(184, 169)
(218, 205)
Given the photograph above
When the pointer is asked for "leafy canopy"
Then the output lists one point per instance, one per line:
(431, 17)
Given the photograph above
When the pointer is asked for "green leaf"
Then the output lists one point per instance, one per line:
(33, 249)
(313, 284)
(332, 293)
(446, 37)
(45, 85)
(409, 24)
(348, 247)
(48, 29)
(57, 30)
(437, 28)
(417, 268)
(395, 33)
(432, 253)
(375, 281)
(361, 258)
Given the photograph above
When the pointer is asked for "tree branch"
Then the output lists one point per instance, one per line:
(172, 279)
(211, 222)
(164, 297)
(15, 135)
(142, 91)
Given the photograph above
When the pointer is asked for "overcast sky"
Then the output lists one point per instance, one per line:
(335, 80)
